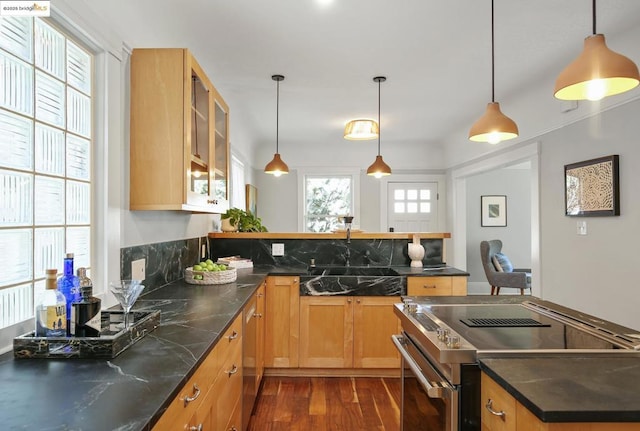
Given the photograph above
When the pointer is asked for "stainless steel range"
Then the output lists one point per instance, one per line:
(441, 343)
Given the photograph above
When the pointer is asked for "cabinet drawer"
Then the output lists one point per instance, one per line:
(228, 388)
(429, 286)
(230, 339)
(190, 397)
(501, 402)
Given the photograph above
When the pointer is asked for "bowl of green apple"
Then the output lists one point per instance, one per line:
(208, 272)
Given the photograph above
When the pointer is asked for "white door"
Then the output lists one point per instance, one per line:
(412, 206)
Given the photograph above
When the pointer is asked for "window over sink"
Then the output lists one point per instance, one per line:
(327, 198)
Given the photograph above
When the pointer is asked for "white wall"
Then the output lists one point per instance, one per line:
(596, 273)
(515, 237)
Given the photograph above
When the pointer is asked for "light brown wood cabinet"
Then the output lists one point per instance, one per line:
(437, 286)
(513, 416)
(282, 322)
(348, 332)
(252, 351)
(207, 401)
(179, 141)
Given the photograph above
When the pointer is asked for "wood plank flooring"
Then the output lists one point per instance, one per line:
(327, 404)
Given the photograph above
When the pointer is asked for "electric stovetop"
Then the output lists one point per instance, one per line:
(499, 327)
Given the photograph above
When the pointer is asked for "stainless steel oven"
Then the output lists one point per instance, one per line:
(441, 343)
(429, 400)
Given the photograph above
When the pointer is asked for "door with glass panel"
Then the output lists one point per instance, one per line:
(412, 206)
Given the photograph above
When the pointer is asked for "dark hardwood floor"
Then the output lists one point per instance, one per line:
(327, 403)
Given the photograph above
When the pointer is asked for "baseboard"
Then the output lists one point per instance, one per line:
(332, 372)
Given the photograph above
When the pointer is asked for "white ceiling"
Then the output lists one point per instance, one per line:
(436, 56)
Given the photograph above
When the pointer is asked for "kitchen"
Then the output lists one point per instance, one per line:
(573, 270)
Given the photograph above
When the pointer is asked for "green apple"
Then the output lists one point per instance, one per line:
(209, 262)
(197, 268)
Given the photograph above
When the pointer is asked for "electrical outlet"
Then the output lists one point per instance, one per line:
(138, 269)
(277, 249)
(582, 227)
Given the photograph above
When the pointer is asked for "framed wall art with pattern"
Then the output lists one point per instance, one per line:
(592, 187)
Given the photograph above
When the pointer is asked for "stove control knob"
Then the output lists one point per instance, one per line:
(453, 341)
(442, 334)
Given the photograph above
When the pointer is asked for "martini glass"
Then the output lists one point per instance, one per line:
(126, 292)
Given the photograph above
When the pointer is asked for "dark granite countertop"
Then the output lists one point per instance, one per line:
(572, 388)
(131, 391)
(445, 271)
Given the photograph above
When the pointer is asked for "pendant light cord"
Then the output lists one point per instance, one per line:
(493, 61)
(594, 16)
(379, 128)
(277, 113)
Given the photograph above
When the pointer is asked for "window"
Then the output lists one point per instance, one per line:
(237, 184)
(327, 198)
(46, 125)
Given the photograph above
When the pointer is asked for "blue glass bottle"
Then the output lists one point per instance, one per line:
(69, 286)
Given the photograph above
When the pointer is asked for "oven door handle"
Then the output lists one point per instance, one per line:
(433, 389)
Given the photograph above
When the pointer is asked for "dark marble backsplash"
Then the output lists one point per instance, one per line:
(299, 252)
(165, 261)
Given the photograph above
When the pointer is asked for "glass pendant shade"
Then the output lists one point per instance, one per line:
(276, 166)
(361, 130)
(598, 72)
(379, 168)
(493, 127)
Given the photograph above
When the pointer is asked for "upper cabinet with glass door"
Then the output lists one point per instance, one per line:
(174, 157)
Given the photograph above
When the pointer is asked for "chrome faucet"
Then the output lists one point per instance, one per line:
(347, 224)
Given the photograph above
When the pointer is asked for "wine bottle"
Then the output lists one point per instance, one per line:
(85, 313)
(69, 286)
(51, 309)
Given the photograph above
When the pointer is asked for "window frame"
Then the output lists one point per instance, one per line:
(99, 160)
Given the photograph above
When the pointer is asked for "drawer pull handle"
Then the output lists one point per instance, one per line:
(233, 429)
(233, 336)
(489, 407)
(426, 286)
(232, 371)
(257, 315)
(196, 394)
(195, 428)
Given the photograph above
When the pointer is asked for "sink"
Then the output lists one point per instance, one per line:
(370, 271)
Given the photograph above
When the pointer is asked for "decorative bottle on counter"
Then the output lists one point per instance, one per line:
(85, 313)
(51, 309)
(69, 286)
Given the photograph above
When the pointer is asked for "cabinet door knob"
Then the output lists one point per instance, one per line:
(489, 407)
(257, 315)
(195, 428)
(196, 394)
(233, 336)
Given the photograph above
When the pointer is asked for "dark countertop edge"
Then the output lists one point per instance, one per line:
(552, 416)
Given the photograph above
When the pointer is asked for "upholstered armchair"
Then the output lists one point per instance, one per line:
(499, 271)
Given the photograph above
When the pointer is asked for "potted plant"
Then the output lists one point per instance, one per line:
(236, 219)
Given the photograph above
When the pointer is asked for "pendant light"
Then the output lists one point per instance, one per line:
(276, 166)
(598, 72)
(379, 168)
(493, 127)
(361, 129)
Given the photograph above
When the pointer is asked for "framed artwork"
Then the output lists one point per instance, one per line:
(493, 210)
(592, 187)
(251, 196)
